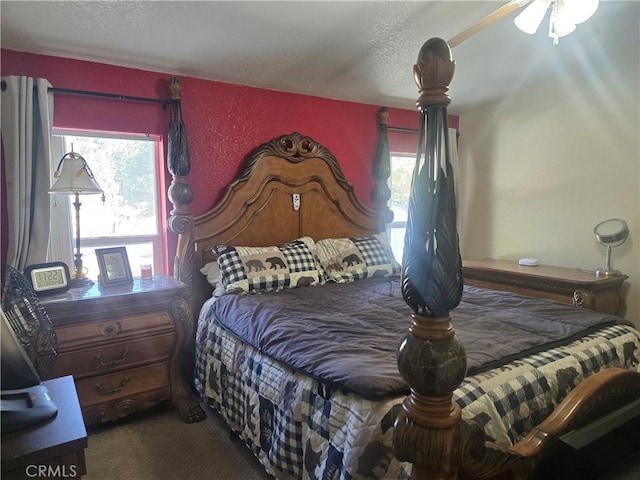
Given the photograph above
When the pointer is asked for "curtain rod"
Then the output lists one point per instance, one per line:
(69, 91)
(410, 130)
(404, 129)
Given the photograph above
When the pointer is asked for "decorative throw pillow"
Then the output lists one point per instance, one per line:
(345, 260)
(267, 269)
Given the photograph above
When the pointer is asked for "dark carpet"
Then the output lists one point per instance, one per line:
(158, 445)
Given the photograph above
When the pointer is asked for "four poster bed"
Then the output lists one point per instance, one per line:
(301, 339)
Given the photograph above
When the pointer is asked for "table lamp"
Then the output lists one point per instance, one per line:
(74, 177)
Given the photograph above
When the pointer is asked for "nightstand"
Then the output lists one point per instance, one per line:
(123, 346)
(566, 285)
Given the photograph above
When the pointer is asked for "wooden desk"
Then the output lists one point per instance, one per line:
(566, 285)
(53, 448)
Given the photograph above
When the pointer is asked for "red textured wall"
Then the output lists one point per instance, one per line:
(224, 122)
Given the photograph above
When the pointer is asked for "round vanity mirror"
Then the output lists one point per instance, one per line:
(610, 233)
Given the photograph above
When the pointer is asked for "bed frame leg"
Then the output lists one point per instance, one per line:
(426, 432)
(432, 443)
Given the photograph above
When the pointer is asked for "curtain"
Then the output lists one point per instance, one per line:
(60, 237)
(25, 125)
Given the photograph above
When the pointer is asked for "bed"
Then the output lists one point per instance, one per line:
(403, 380)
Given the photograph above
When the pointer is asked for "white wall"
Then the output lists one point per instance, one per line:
(539, 170)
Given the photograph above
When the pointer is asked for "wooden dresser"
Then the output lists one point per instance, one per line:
(122, 344)
(566, 285)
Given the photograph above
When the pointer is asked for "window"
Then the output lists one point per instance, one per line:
(127, 169)
(400, 184)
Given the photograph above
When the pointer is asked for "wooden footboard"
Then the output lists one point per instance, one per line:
(596, 396)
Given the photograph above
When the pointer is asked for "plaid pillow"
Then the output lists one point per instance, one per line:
(268, 269)
(344, 260)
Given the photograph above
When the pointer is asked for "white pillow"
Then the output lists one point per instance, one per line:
(212, 271)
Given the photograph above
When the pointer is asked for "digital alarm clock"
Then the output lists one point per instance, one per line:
(48, 278)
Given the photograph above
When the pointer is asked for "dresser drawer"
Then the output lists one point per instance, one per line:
(85, 334)
(114, 409)
(114, 356)
(105, 388)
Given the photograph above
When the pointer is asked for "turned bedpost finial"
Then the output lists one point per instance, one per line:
(175, 89)
(430, 358)
(433, 72)
(381, 172)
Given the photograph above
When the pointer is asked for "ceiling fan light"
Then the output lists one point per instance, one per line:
(580, 10)
(531, 17)
(561, 23)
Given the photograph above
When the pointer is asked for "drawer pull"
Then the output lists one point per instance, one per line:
(106, 391)
(110, 363)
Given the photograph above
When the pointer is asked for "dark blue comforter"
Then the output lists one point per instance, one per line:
(347, 335)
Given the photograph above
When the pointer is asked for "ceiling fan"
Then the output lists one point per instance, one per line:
(565, 15)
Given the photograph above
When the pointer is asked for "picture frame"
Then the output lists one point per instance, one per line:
(114, 266)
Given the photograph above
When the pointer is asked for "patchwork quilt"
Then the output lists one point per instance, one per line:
(301, 427)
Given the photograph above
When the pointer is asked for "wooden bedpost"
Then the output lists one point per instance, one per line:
(180, 193)
(430, 358)
(180, 222)
(381, 172)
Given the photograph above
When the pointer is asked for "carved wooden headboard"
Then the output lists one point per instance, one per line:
(290, 187)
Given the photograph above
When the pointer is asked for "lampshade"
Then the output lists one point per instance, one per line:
(73, 175)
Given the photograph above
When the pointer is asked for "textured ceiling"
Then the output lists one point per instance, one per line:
(350, 50)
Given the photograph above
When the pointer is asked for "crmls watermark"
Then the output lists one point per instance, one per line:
(51, 471)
